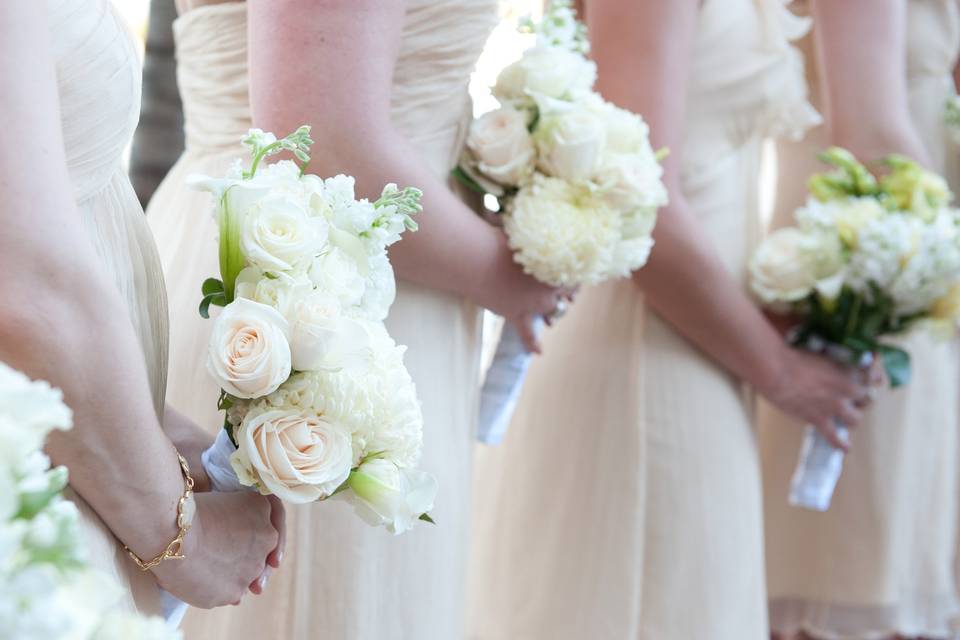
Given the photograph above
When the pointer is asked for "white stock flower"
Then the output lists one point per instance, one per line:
(385, 495)
(569, 144)
(295, 455)
(249, 350)
(321, 337)
(29, 410)
(281, 236)
(501, 145)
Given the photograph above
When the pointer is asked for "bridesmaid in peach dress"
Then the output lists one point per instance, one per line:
(85, 309)
(625, 502)
(384, 84)
(880, 562)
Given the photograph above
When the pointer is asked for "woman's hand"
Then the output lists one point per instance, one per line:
(520, 299)
(818, 391)
(234, 538)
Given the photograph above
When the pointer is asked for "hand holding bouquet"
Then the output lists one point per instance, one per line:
(317, 400)
(867, 259)
(577, 181)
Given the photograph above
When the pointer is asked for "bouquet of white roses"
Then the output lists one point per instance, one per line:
(867, 259)
(46, 590)
(577, 180)
(317, 399)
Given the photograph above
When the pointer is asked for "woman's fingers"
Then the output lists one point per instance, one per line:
(828, 429)
(278, 518)
(524, 327)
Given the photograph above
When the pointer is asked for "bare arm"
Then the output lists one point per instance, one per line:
(63, 320)
(643, 51)
(861, 60)
(350, 48)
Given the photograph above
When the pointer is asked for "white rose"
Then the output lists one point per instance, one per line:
(298, 458)
(280, 292)
(386, 495)
(570, 144)
(322, 338)
(281, 235)
(632, 181)
(789, 264)
(502, 146)
(626, 131)
(249, 351)
(511, 84)
(553, 72)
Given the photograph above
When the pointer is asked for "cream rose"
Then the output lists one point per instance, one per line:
(281, 235)
(297, 457)
(502, 146)
(338, 273)
(386, 495)
(249, 351)
(322, 338)
(790, 264)
(570, 144)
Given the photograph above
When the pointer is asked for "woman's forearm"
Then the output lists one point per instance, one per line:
(865, 89)
(687, 285)
(75, 333)
(63, 320)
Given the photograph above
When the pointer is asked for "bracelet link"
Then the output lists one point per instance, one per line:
(186, 510)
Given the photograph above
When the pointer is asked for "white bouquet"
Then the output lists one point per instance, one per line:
(316, 397)
(577, 181)
(867, 259)
(46, 590)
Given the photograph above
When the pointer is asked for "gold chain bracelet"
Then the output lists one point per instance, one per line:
(186, 509)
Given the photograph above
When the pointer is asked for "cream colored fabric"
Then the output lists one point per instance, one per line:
(340, 579)
(881, 560)
(625, 502)
(98, 78)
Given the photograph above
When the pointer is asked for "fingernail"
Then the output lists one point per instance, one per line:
(279, 557)
(263, 581)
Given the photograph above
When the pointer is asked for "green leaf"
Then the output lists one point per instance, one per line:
(464, 178)
(217, 299)
(426, 518)
(211, 285)
(896, 362)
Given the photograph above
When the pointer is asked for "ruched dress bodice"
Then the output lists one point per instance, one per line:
(98, 86)
(341, 579)
(625, 501)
